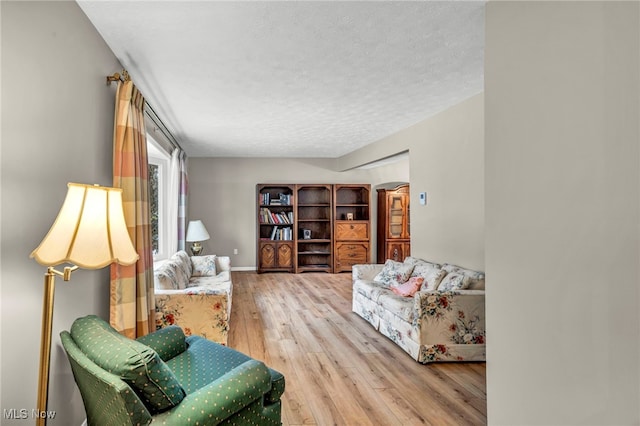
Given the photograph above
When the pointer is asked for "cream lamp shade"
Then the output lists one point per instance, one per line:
(196, 231)
(90, 230)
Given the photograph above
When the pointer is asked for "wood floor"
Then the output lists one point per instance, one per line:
(338, 369)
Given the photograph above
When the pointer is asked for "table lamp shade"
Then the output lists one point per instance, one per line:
(90, 230)
(196, 231)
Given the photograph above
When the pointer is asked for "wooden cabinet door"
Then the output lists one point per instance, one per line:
(267, 255)
(398, 216)
(276, 255)
(285, 255)
(351, 230)
(397, 250)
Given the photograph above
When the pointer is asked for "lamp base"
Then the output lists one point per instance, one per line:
(196, 249)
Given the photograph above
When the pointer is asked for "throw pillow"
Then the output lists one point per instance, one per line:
(394, 273)
(454, 281)
(203, 265)
(162, 281)
(135, 363)
(184, 263)
(476, 278)
(409, 288)
(432, 275)
(166, 277)
(417, 261)
(181, 277)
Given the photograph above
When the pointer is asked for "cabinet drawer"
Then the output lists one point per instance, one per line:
(352, 230)
(349, 254)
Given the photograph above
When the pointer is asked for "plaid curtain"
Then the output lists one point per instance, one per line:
(182, 202)
(132, 295)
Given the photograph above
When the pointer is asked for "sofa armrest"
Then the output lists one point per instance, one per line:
(223, 263)
(451, 317)
(222, 398)
(199, 310)
(365, 272)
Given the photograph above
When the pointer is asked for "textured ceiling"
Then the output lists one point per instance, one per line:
(294, 79)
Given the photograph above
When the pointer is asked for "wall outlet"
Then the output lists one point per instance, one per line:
(235, 251)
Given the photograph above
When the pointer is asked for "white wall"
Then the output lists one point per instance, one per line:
(57, 126)
(562, 213)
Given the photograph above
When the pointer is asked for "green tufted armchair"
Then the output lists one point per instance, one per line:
(165, 378)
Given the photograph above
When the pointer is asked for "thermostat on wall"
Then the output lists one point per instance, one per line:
(423, 198)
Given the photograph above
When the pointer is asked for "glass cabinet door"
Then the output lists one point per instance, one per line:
(396, 214)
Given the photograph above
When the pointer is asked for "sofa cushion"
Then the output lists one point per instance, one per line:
(454, 281)
(223, 278)
(394, 273)
(408, 289)
(369, 289)
(203, 265)
(431, 275)
(391, 304)
(135, 363)
(476, 278)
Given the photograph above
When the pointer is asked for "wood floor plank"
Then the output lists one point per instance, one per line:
(339, 370)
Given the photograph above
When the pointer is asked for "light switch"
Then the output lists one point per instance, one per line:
(423, 198)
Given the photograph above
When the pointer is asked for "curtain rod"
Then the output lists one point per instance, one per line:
(148, 109)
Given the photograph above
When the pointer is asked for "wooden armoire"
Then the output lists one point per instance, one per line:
(394, 240)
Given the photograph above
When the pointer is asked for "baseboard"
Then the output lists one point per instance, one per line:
(243, 268)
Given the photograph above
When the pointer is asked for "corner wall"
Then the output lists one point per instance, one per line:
(57, 127)
(562, 212)
(446, 159)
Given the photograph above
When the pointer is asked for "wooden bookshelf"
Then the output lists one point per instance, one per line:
(276, 230)
(314, 245)
(312, 227)
(352, 207)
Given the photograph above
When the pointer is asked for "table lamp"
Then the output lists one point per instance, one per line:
(90, 233)
(196, 232)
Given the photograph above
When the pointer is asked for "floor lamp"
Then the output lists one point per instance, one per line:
(90, 233)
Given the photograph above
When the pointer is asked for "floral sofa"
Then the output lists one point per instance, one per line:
(433, 312)
(194, 293)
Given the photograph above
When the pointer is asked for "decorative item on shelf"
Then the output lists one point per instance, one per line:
(349, 216)
(90, 233)
(196, 232)
(306, 234)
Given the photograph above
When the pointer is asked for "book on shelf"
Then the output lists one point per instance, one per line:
(269, 217)
(281, 200)
(285, 234)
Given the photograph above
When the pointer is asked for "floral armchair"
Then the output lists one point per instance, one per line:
(195, 294)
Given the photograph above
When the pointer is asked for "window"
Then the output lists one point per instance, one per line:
(158, 181)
